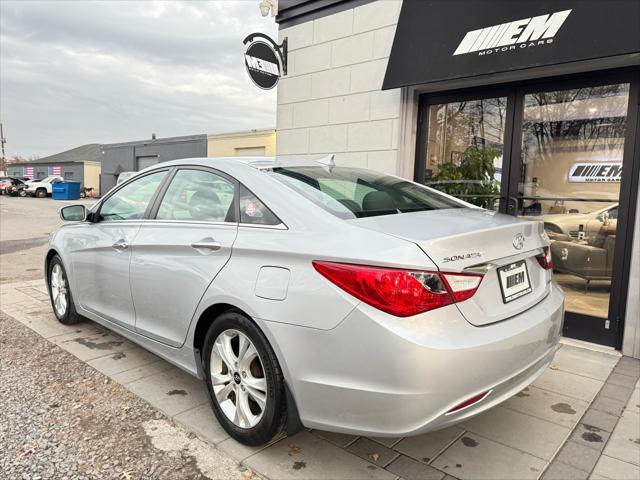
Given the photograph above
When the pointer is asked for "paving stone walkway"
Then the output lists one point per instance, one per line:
(579, 420)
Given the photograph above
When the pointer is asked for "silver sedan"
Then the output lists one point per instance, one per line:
(306, 294)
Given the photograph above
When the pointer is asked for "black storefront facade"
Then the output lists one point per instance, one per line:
(530, 108)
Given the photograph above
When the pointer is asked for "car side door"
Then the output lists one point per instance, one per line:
(180, 250)
(101, 250)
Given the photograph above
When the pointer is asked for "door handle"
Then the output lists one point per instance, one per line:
(120, 245)
(209, 245)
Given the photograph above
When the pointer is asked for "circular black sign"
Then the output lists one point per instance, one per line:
(262, 64)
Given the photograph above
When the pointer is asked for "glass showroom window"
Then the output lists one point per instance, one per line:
(465, 141)
(572, 155)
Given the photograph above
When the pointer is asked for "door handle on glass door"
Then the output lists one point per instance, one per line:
(120, 245)
(209, 245)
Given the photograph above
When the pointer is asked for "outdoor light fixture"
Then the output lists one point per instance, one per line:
(267, 6)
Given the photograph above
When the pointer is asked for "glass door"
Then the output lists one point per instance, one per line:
(571, 155)
(561, 153)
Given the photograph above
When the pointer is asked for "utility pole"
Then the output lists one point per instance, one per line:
(3, 163)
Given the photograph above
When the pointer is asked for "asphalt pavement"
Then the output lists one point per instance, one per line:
(25, 225)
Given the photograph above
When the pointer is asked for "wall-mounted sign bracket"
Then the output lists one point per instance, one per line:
(281, 50)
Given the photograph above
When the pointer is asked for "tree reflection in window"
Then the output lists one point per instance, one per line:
(464, 149)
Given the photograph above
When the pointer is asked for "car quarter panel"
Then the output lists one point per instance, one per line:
(311, 300)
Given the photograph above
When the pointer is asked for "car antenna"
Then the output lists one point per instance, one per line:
(327, 161)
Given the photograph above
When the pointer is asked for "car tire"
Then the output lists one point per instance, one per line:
(41, 193)
(60, 293)
(22, 193)
(254, 373)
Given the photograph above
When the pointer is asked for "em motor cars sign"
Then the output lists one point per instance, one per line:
(262, 65)
(524, 33)
(437, 41)
(601, 172)
(263, 60)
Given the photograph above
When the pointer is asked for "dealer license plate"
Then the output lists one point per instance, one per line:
(514, 281)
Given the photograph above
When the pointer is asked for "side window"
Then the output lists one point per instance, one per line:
(253, 211)
(198, 195)
(130, 202)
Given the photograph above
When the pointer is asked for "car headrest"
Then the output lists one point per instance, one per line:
(204, 197)
(378, 201)
(205, 204)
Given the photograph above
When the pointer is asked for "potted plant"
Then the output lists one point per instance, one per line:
(473, 180)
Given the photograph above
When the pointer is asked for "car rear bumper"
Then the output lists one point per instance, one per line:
(375, 374)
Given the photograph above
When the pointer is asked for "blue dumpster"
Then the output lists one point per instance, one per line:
(65, 191)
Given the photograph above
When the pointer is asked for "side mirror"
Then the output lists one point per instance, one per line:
(73, 213)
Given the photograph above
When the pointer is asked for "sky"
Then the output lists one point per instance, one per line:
(77, 72)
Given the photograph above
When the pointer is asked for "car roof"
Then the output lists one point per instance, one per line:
(242, 163)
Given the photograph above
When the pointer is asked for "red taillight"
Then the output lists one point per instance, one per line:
(544, 259)
(402, 293)
(469, 401)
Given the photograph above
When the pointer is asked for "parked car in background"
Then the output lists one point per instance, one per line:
(42, 188)
(22, 189)
(6, 184)
(86, 192)
(4, 181)
(13, 187)
(579, 226)
(312, 295)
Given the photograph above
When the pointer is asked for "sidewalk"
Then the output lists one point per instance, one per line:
(579, 420)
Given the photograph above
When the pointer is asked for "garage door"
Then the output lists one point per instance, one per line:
(250, 152)
(144, 162)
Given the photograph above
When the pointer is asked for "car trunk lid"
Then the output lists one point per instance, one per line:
(474, 240)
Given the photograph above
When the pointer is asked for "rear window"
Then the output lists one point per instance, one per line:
(356, 193)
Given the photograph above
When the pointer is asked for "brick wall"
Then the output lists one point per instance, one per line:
(331, 100)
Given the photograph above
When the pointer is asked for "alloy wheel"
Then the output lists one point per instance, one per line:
(59, 290)
(237, 377)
